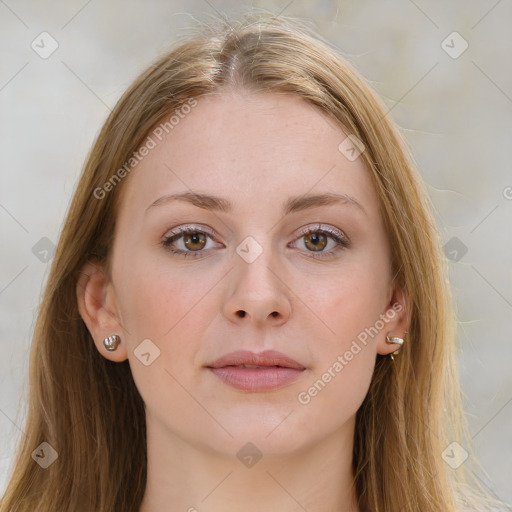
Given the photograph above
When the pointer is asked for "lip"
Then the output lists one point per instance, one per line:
(275, 370)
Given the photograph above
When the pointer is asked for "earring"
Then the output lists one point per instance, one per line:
(394, 339)
(111, 342)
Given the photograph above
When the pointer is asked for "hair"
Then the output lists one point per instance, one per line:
(89, 409)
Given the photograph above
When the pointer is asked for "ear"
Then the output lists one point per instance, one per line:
(98, 309)
(396, 319)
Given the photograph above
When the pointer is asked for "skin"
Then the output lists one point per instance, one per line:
(255, 150)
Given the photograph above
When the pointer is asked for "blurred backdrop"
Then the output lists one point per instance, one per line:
(443, 68)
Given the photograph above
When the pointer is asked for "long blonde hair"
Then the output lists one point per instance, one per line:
(88, 408)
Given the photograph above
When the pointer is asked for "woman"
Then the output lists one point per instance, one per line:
(248, 307)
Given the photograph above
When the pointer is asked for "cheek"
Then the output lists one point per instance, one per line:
(345, 358)
(170, 307)
(350, 305)
(349, 300)
(159, 300)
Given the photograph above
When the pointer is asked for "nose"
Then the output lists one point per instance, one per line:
(258, 293)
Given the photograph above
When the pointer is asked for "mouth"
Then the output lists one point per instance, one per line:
(248, 371)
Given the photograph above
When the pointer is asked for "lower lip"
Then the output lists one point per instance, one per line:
(257, 379)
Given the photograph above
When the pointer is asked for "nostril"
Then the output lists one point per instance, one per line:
(241, 313)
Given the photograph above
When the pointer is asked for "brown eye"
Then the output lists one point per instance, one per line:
(189, 241)
(315, 241)
(194, 241)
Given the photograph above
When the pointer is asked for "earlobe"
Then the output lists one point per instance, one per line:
(98, 309)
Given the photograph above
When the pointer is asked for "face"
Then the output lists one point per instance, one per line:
(264, 268)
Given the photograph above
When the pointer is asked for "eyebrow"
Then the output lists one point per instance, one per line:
(292, 205)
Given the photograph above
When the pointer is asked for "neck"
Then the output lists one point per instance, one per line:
(185, 477)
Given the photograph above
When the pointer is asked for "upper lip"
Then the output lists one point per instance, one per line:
(266, 358)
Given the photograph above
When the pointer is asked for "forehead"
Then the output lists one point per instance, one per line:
(248, 147)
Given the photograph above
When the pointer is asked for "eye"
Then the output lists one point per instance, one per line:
(192, 240)
(317, 239)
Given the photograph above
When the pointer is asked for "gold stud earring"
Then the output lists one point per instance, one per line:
(111, 342)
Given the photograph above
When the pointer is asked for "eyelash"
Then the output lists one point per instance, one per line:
(341, 240)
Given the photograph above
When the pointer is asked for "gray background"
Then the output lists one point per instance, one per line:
(455, 113)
